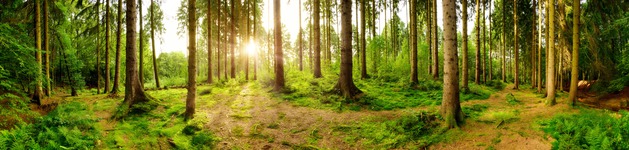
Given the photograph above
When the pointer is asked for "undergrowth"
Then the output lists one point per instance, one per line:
(589, 129)
(413, 131)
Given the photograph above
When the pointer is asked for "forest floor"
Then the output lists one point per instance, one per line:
(248, 116)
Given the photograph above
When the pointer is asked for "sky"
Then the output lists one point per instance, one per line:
(172, 42)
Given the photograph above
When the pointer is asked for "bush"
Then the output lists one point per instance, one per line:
(589, 130)
(70, 126)
(496, 84)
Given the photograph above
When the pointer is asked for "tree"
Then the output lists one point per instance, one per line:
(301, 50)
(209, 41)
(345, 86)
(134, 94)
(539, 47)
(141, 76)
(233, 21)
(435, 52)
(477, 62)
(464, 66)
(317, 40)
(279, 56)
(450, 105)
(155, 24)
(550, 67)
(116, 88)
(107, 26)
(515, 44)
(428, 33)
(413, 41)
(483, 48)
(504, 43)
(192, 60)
(363, 54)
(576, 8)
(37, 96)
(47, 50)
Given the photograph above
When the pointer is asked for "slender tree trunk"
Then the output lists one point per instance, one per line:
(255, 18)
(47, 46)
(218, 41)
(317, 40)
(539, 46)
(413, 42)
(516, 49)
(98, 3)
(435, 52)
(363, 56)
(141, 45)
(329, 34)
(563, 42)
(483, 48)
(478, 46)
(533, 51)
(233, 21)
(574, 78)
(345, 85)
(279, 56)
(37, 96)
(209, 41)
(192, 58)
(465, 62)
(301, 49)
(248, 38)
(373, 35)
(550, 67)
(450, 105)
(504, 44)
(429, 34)
(107, 70)
(116, 88)
(225, 59)
(155, 73)
(490, 59)
(134, 93)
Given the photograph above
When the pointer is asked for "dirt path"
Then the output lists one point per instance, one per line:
(522, 133)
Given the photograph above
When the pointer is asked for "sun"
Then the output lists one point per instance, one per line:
(251, 48)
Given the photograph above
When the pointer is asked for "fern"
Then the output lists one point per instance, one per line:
(589, 130)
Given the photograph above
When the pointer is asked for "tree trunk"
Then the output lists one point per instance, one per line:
(533, 51)
(489, 59)
(192, 58)
(141, 45)
(218, 41)
(516, 49)
(363, 56)
(478, 46)
(279, 56)
(483, 48)
(550, 67)
(345, 85)
(155, 74)
(317, 40)
(539, 46)
(464, 64)
(435, 52)
(255, 58)
(574, 78)
(37, 96)
(429, 33)
(107, 70)
(233, 21)
(301, 49)
(47, 46)
(98, 3)
(413, 42)
(504, 44)
(450, 105)
(116, 88)
(134, 93)
(226, 43)
(209, 42)
(248, 39)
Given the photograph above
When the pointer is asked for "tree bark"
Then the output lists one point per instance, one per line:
(134, 93)
(218, 41)
(279, 56)
(504, 44)
(550, 67)
(465, 62)
(478, 46)
(574, 78)
(489, 59)
(317, 40)
(107, 71)
(233, 21)
(98, 3)
(155, 73)
(116, 88)
(450, 105)
(209, 42)
(141, 45)
(363, 56)
(345, 86)
(429, 34)
(255, 18)
(413, 42)
(539, 47)
(435, 52)
(47, 46)
(37, 96)
(483, 48)
(515, 45)
(301, 49)
(192, 58)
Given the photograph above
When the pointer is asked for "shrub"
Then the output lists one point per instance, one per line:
(589, 130)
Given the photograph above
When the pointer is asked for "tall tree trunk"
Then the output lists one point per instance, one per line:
(533, 51)
(574, 78)
(37, 96)
(247, 36)
(155, 74)
(550, 67)
(226, 43)
(134, 93)
(141, 46)
(516, 49)
(450, 105)
(373, 35)
(345, 86)
(107, 70)
(490, 59)
(329, 34)
(478, 46)
(539, 46)
(435, 52)
(413, 42)
(429, 33)
(279, 56)
(301, 49)
(116, 88)
(563, 42)
(192, 58)
(218, 40)
(233, 22)
(483, 48)
(465, 62)
(98, 3)
(363, 56)
(504, 44)
(317, 40)
(255, 18)
(209, 42)
(47, 46)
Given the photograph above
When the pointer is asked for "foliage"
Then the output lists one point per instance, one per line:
(512, 100)
(589, 129)
(70, 126)
(475, 110)
(418, 128)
